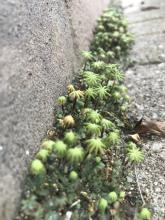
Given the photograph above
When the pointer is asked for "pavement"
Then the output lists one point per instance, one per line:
(146, 84)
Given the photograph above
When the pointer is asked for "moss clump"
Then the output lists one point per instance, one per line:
(86, 157)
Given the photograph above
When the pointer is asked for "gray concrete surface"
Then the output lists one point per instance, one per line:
(146, 83)
(39, 44)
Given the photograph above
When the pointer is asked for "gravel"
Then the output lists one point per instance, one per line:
(146, 83)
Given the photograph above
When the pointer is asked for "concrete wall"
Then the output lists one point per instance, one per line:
(39, 45)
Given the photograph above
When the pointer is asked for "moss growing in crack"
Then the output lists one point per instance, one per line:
(70, 138)
(145, 214)
(83, 163)
(135, 154)
(112, 197)
(93, 129)
(75, 155)
(37, 167)
(95, 145)
(102, 205)
(60, 148)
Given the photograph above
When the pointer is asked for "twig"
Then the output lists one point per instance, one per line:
(138, 185)
(75, 203)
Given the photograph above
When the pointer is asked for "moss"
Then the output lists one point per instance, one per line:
(82, 165)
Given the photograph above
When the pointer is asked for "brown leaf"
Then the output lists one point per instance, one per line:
(135, 138)
(150, 126)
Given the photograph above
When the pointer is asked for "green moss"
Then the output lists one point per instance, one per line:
(86, 127)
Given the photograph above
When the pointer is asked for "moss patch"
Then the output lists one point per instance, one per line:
(82, 170)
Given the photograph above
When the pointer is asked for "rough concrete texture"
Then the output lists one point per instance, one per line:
(146, 83)
(39, 41)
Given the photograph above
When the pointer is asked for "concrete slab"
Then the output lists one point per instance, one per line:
(144, 16)
(148, 28)
(146, 83)
(150, 50)
(146, 86)
(131, 7)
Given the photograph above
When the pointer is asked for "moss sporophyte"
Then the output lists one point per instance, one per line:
(81, 169)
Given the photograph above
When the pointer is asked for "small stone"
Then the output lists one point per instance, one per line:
(156, 147)
(129, 179)
(157, 190)
(162, 155)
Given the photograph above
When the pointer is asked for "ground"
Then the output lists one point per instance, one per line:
(146, 83)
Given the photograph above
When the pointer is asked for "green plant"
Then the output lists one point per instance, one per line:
(70, 138)
(60, 148)
(91, 79)
(75, 155)
(93, 129)
(86, 157)
(95, 145)
(42, 154)
(37, 167)
(145, 214)
(135, 154)
(102, 92)
(62, 100)
(93, 116)
(122, 195)
(114, 138)
(73, 176)
(112, 197)
(98, 66)
(87, 55)
(90, 93)
(102, 205)
(106, 124)
(48, 145)
(76, 94)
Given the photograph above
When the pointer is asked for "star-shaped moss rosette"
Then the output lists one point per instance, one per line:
(135, 154)
(114, 138)
(102, 205)
(37, 167)
(145, 214)
(70, 138)
(70, 88)
(48, 145)
(75, 155)
(90, 93)
(123, 89)
(102, 92)
(87, 55)
(93, 129)
(93, 116)
(73, 176)
(98, 66)
(60, 148)
(62, 100)
(112, 72)
(76, 94)
(112, 197)
(91, 79)
(42, 154)
(106, 124)
(68, 121)
(96, 146)
(116, 96)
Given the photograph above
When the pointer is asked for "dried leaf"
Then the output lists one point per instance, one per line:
(135, 138)
(150, 126)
